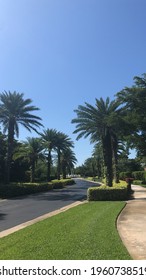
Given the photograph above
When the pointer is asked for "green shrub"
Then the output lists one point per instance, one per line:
(139, 175)
(124, 175)
(105, 193)
(18, 189)
(137, 182)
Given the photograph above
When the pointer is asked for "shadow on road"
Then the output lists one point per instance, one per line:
(2, 216)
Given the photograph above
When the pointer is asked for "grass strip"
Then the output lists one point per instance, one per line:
(85, 232)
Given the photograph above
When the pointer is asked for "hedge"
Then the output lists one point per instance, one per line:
(19, 189)
(107, 193)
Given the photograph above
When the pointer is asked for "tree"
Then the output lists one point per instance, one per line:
(49, 140)
(133, 100)
(15, 110)
(63, 142)
(31, 150)
(3, 149)
(68, 160)
(101, 123)
(98, 158)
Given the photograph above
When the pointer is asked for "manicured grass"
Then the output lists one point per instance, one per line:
(84, 232)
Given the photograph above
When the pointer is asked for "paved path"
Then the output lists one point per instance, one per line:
(131, 224)
(18, 211)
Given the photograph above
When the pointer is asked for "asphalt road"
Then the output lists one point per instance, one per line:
(19, 210)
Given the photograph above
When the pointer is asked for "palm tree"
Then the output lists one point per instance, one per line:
(98, 157)
(15, 110)
(63, 142)
(31, 150)
(49, 140)
(100, 123)
(68, 160)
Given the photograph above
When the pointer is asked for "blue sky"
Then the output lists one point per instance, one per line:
(62, 53)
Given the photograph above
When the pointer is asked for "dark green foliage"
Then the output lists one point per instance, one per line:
(139, 175)
(15, 111)
(107, 193)
(124, 175)
(137, 182)
(3, 150)
(102, 123)
(18, 189)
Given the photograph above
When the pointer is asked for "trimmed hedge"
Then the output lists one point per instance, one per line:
(19, 189)
(105, 193)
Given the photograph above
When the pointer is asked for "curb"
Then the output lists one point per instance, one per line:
(40, 218)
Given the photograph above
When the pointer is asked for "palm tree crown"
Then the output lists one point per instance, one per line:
(100, 123)
(15, 110)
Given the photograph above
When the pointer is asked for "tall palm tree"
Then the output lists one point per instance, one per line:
(49, 140)
(15, 110)
(100, 123)
(32, 151)
(68, 160)
(63, 142)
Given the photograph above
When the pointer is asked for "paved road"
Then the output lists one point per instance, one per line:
(19, 210)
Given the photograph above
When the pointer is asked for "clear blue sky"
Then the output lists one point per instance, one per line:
(62, 53)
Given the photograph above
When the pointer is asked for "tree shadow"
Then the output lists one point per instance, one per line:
(2, 216)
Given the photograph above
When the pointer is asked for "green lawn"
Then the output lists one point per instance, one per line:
(84, 232)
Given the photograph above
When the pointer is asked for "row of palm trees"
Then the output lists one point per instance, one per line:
(41, 148)
(112, 123)
(108, 123)
(15, 110)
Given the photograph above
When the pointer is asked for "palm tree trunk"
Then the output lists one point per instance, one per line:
(63, 170)
(9, 150)
(49, 167)
(115, 159)
(32, 179)
(107, 155)
(58, 166)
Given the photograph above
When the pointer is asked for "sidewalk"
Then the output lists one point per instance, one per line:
(131, 224)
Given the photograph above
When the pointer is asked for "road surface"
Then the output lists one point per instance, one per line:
(19, 210)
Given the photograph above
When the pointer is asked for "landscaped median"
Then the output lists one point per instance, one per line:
(18, 189)
(118, 192)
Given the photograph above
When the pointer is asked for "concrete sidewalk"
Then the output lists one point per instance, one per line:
(131, 224)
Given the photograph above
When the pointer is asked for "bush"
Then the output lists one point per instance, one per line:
(124, 175)
(18, 189)
(137, 182)
(139, 175)
(105, 193)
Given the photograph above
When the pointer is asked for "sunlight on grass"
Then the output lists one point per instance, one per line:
(85, 232)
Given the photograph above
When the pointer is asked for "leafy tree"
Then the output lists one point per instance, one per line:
(15, 110)
(101, 123)
(133, 100)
